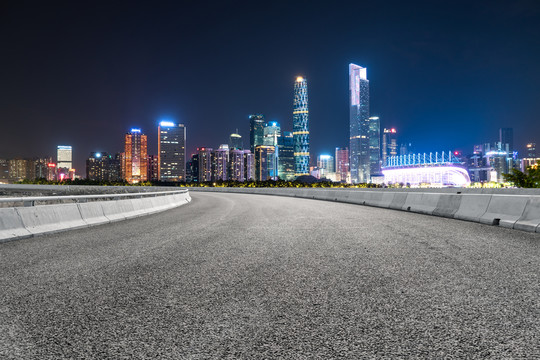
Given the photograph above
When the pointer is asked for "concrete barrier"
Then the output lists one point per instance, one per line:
(530, 219)
(11, 225)
(18, 222)
(448, 205)
(504, 210)
(472, 207)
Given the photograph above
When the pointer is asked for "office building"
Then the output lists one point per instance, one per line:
(172, 151)
(236, 165)
(192, 169)
(205, 164)
(235, 141)
(64, 157)
(264, 163)
(249, 165)
(256, 131)
(301, 127)
(220, 163)
(389, 144)
(272, 132)
(101, 166)
(342, 165)
(506, 138)
(359, 128)
(325, 163)
(135, 157)
(286, 163)
(153, 168)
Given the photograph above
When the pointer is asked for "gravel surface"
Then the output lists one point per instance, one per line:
(233, 276)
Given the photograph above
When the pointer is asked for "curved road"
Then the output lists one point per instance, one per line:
(235, 276)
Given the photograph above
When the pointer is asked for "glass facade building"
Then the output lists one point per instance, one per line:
(389, 144)
(135, 157)
(286, 156)
(342, 164)
(256, 131)
(265, 166)
(301, 127)
(235, 141)
(374, 136)
(172, 151)
(359, 157)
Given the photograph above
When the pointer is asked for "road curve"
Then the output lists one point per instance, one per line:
(234, 276)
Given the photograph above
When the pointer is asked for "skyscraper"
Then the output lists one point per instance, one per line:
(153, 168)
(286, 156)
(506, 136)
(325, 163)
(172, 151)
(235, 141)
(101, 166)
(301, 127)
(236, 165)
(220, 163)
(374, 135)
(359, 125)
(531, 150)
(342, 164)
(256, 131)
(264, 163)
(135, 157)
(205, 164)
(249, 165)
(389, 144)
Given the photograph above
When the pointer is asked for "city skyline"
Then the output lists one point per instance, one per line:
(447, 81)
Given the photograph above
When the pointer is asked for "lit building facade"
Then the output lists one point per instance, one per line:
(301, 127)
(286, 163)
(135, 157)
(389, 144)
(342, 164)
(153, 168)
(236, 165)
(264, 163)
(359, 159)
(205, 164)
(531, 150)
(64, 164)
(429, 170)
(249, 165)
(235, 141)
(325, 163)
(172, 151)
(220, 162)
(192, 167)
(374, 135)
(101, 166)
(256, 131)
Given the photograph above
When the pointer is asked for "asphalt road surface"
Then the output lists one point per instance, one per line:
(236, 276)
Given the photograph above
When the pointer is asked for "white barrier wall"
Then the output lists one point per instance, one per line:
(510, 208)
(22, 222)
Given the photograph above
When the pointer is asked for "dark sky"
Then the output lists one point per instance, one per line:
(446, 74)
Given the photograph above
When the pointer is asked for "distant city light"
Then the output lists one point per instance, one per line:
(167, 123)
(299, 79)
(51, 165)
(64, 147)
(135, 130)
(325, 156)
(98, 155)
(392, 130)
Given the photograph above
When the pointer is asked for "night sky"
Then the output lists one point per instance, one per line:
(446, 74)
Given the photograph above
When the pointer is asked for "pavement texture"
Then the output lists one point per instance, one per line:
(235, 276)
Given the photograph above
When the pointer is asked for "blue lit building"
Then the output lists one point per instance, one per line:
(171, 151)
(256, 131)
(301, 127)
(359, 145)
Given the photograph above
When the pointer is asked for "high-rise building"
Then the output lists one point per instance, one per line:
(325, 163)
(135, 157)
(256, 131)
(531, 150)
(272, 132)
(64, 157)
(172, 151)
(249, 165)
(235, 141)
(220, 163)
(506, 138)
(193, 167)
(342, 164)
(101, 166)
(205, 164)
(359, 125)
(21, 169)
(264, 162)
(301, 127)
(4, 171)
(389, 144)
(153, 168)
(286, 156)
(374, 135)
(236, 165)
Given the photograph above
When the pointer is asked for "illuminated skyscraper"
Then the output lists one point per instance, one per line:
(256, 131)
(359, 124)
(264, 163)
(220, 162)
(101, 166)
(389, 144)
(153, 167)
(325, 163)
(531, 150)
(286, 156)
(301, 127)
(374, 135)
(64, 157)
(205, 164)
(235, 141)
(342, 164)
(249, 165)
(172, 151)
(135, 157)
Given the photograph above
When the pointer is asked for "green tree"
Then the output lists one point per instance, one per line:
(529, 179)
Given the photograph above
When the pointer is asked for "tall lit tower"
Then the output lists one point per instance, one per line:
(172, 151)
(301, 127)
(256, 131)
(135, 157)
(359, 124)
